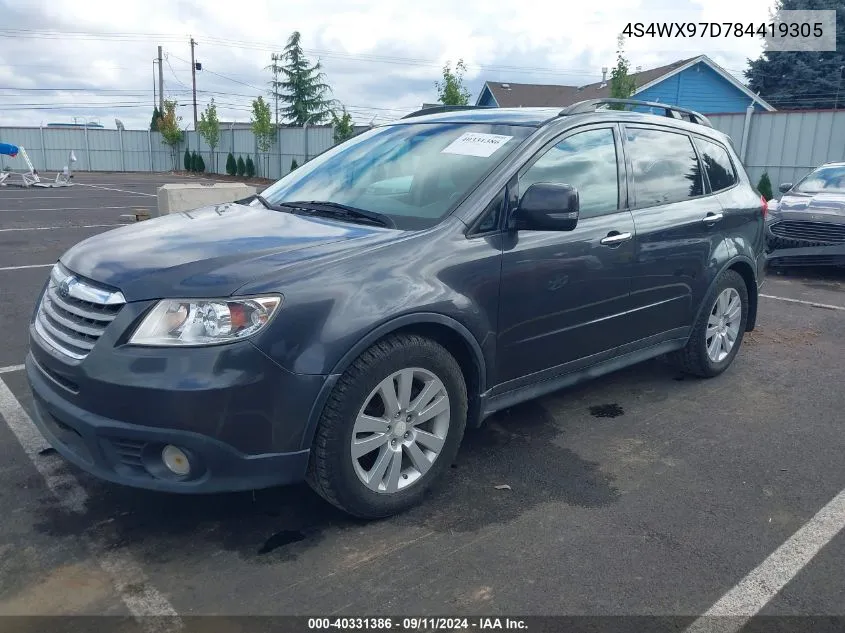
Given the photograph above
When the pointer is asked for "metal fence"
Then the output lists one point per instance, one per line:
(142, 150)
(787, 145)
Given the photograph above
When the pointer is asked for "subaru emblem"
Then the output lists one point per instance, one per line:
(64, 286)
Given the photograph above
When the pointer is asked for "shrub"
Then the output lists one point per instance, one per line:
(201, 167)
(231, 165)
(293, 164)
(765, 186)
(241, 166)
(250, 167)
(188, 164)
(195, 162)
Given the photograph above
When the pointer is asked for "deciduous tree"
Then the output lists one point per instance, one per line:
(451, 91)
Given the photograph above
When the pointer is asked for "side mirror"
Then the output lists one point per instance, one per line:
(547, 206)
(784, 187)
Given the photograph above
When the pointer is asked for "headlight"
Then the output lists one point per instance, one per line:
(204, 321)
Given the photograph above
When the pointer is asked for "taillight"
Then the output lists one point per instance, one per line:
(764, 207)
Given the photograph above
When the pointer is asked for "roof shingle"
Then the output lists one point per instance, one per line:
(546, 95)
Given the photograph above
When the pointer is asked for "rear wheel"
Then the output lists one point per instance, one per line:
(717, 335)
(390, 428)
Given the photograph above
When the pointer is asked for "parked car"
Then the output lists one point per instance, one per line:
(346, 325)
(807, 228)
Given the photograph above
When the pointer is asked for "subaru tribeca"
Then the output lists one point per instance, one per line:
(348, 324)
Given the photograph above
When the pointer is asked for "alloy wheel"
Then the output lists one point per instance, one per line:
(723, 325)
(400, 430)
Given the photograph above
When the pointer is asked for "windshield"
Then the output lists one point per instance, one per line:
(414, 174)
(823, 180)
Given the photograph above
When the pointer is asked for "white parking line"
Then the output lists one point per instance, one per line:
(27, 266)
(814, 304)
(74, 208)
(733, 610)
(130, 581)
(53, 228)
(134, 193)
(10, 368)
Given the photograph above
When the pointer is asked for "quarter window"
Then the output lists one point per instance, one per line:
(665, 167)
(587, 161)
(717, 164)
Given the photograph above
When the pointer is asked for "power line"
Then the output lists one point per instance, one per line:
(173, 72)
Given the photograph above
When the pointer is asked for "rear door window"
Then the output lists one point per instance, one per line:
(717, 164)
(665, 167)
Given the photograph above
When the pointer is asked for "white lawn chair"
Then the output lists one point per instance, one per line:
(64, 176)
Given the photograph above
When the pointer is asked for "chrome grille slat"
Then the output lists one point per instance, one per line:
(65, 338)
(827, 232)
(55, 313)
(78, 310)
(74, 320)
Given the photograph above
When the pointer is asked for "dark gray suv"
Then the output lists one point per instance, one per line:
(346, 326)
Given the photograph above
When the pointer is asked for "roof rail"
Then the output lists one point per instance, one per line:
(671, 111)
(444, 108)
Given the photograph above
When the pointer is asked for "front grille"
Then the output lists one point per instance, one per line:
(74, 313)
(817, 233)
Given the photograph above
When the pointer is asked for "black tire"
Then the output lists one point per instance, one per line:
(330, 470)
(693, 358)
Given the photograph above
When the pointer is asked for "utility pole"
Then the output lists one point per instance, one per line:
(276, 69)
(194, 80)
(160, 83)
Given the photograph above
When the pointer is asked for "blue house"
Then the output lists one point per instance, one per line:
(697, 83)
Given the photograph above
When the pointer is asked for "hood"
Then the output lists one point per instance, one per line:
(826, 206)
(211, 251)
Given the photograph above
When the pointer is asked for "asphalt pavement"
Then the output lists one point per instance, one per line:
(644, 492)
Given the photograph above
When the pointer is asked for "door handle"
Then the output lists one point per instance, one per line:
(712, 218)
(615, 238)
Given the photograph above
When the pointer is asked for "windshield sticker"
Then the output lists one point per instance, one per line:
(476, 144)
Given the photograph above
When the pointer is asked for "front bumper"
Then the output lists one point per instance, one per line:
(829, 255)
(804, 240)
(241, 419)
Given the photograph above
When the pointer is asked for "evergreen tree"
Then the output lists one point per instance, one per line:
(189, 164)
(231, 165)
(765, 186)
(293, 164)
(155, 119)
(250, 167)
(195, 162)
(795, 80)
(304, 92)
(241, 166)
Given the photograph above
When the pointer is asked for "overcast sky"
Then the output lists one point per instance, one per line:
(381, 57)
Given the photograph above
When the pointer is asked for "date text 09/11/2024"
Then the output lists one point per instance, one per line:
(411, 624)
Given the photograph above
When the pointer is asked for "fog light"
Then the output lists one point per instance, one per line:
(175, 460)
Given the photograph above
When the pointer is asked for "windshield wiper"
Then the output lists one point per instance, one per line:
(341, 210)
(267, 203)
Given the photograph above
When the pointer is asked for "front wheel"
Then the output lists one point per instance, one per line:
(390, 428)
(717, 335)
